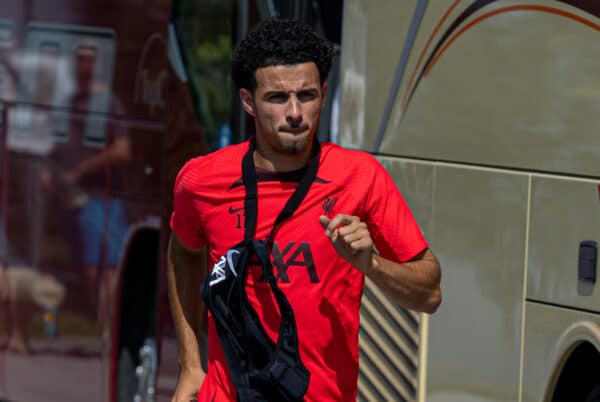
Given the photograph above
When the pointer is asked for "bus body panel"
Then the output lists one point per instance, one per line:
(474, 338)
(522, 60)
(564, 212)
(493, 107)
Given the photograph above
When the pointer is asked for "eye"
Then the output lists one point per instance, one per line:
(307, 96)
(277, 97)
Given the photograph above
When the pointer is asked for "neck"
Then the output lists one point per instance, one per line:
(277, 162)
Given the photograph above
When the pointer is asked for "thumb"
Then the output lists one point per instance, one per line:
(325, 223)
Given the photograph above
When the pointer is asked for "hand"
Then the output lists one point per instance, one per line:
(351, 239)
(46, 180)
(188, 385)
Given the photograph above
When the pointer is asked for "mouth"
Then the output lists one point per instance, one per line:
(294, 130)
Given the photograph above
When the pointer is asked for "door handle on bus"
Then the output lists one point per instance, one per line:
(587, 265)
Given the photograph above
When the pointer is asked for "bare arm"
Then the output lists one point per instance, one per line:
(414, 284)
(117, 152)
(186, 268)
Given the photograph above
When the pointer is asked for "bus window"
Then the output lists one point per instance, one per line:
(204, 29)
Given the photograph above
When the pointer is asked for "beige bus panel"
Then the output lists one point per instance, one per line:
(550, 335)
(519, 89)
(416, 181)
(564, 212)
(475, 336)
(389, 334)
(373, 33)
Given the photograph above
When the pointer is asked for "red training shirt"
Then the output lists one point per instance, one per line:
(322, 288)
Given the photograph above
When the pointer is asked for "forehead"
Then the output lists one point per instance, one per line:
(287, 77)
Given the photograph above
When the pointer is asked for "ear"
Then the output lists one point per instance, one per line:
(324, 92)
(247, 100)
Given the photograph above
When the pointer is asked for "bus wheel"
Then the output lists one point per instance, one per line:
(126, 380)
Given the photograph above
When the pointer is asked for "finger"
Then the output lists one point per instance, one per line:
(356, 235)
(358, 247)
(362, 244)
(324, 221)
(341, 219)
(356, 226)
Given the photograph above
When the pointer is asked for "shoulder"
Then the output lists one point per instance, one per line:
(213, 169)
(343, 161)
(335, 153)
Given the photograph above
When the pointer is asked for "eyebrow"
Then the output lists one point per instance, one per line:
(283, 91)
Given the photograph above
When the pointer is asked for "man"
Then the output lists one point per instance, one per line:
(78, 176)
(322, 253)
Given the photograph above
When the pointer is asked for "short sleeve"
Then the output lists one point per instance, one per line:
(185, 219)
(393, 227)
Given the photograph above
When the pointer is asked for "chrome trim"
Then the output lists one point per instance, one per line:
(146, 372)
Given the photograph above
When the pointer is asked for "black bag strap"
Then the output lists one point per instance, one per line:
(251, 199)
(286, 375)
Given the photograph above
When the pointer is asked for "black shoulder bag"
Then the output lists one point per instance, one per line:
(260, 369)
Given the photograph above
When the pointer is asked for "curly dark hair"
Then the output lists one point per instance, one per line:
(276, 42)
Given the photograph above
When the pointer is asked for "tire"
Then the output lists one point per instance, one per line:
(126, 378)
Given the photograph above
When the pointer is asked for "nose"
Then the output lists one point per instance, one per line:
(294, 111)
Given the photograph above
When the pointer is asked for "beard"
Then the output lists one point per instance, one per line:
(293, 147)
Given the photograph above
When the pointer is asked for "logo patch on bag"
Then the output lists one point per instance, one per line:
(226, 263)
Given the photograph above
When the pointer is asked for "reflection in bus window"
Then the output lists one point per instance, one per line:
(7, 32)
(4, 79)
(87, 88)
(205, 30)
(46, 76)
(62, 66)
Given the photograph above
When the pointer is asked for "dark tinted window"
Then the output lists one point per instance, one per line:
(204, 29)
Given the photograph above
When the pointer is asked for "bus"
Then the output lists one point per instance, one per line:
(486, 114)
(101, 103)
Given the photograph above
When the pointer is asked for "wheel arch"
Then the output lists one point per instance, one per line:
(136, 294)
(575, 361)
